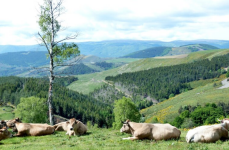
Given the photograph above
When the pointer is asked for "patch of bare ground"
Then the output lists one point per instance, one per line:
(175, 56)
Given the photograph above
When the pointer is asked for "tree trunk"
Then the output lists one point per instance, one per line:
(51, 78)
(50, 103)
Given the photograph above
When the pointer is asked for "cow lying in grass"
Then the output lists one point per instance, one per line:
(75, 127)
(31, 129)
(209, 133)
(63, 126)
(150, 131)
(4, 133)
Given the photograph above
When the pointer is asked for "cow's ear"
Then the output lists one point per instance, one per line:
(221, 121)
(127, 120)
(17, 119)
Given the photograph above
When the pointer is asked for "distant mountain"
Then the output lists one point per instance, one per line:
(24, 59)
(22, 64)
(168, 51)
(117, 48)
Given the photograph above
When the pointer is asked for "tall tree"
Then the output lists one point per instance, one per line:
(58, 51)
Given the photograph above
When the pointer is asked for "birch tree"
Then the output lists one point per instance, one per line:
(58, 51)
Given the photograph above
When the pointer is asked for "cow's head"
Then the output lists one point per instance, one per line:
(225, 122)
(125, 127)
(3, 124)
(71, 123)
(5, 133)
(11, 124)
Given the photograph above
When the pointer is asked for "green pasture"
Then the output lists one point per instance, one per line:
(103, 139)
(6, 113)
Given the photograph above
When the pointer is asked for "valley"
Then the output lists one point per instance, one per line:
(95, 84)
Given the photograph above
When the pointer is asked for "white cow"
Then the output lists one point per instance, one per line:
(209, 133)
(150, 131)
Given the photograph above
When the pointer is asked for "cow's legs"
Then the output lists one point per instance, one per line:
(131, 138)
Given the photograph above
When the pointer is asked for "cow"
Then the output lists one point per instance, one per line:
(75, 127)
(31, 129)
(3, 124)
(4, 133)
(62, 126)
(150, 131)
(209, 133)
(9, 122)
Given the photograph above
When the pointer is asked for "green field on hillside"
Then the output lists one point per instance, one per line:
(205, 92)
(6, 113)
(103, 139)
(87, 83)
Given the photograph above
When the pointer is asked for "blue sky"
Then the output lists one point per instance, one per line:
(164, 20)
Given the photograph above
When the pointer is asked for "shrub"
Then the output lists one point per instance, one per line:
(32, 110)
(188, 123)
(125, 109)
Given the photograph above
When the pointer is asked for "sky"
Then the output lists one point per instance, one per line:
(97, 20)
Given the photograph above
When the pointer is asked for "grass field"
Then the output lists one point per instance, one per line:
(87, 83)
(6, 113)
(103, 139)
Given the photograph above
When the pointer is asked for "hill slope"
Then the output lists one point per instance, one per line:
(168, 110)
(87, 83)
(167, 51)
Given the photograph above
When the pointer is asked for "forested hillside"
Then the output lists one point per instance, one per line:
(163, 82)
(67, 103)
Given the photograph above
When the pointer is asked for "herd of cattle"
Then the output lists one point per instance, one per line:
(205, 134)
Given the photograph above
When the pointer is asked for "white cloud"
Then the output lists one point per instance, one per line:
(120, 19)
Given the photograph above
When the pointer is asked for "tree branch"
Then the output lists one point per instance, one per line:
(43, 40)
(67, 38)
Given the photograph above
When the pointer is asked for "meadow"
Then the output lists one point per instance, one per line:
(103, 139)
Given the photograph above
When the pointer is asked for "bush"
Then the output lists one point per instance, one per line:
(154, 120)
(125, 109)
(188, 123)
(32, 110)
(177, 122)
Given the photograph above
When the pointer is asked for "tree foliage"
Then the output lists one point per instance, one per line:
(32, 110)
(199, 115)
(125, 109)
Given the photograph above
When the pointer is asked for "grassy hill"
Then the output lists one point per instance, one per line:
(204, 92)
(87, 83)
(168, 51)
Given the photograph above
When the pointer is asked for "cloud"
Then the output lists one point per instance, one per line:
(120, 19)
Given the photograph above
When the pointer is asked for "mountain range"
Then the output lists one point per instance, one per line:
(116, 48)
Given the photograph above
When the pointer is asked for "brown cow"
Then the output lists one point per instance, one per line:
(4, 133)
(31, 129)
(150, 131)
(75, 127)
(3, 124)
(62, 126)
